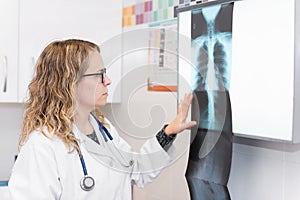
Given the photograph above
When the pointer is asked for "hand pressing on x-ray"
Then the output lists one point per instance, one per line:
(180, 123)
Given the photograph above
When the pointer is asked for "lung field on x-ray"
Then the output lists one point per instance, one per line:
(211, 57)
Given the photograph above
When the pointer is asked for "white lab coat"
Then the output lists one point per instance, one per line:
(45, 170)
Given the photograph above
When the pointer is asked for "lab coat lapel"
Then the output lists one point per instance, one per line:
(96, 151)
(89, 144)
(119, 158)
(92, 146)
(105, 153)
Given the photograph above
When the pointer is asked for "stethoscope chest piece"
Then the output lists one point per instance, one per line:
(87, 183)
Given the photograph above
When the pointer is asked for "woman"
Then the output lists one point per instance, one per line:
(65, 137)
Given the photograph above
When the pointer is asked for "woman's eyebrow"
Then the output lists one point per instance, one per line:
(101, 70)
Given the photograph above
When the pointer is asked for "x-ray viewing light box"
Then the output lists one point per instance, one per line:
(264, 70)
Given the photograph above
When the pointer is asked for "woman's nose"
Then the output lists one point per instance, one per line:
(107, 81)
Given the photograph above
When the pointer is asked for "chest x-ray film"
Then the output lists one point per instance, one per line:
(254, 57)
(207, 32)
(205, 42)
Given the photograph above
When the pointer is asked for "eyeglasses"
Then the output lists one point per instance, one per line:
(101, 75)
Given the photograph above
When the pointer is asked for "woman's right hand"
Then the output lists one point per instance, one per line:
(180, 123)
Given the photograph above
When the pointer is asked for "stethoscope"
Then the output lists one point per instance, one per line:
(87, 183)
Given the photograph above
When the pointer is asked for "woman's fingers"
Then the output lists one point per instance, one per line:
(185, 105)
(189, 124)
(179, 123)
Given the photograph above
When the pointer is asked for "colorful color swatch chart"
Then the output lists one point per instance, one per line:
(148, 11)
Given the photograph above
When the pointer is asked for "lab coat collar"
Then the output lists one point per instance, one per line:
(98, 152)
(106, 153)
(89, 144)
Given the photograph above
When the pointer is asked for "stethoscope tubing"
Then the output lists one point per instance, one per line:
(103, 128)
(83, 165)
(87, 182)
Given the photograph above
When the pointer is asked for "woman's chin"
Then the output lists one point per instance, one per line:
(101, 103)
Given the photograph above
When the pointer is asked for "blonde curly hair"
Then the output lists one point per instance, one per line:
(51, 103)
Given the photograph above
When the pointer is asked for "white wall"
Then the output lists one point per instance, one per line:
(264, 170)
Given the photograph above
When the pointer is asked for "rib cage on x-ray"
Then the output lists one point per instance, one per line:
(212, 62)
